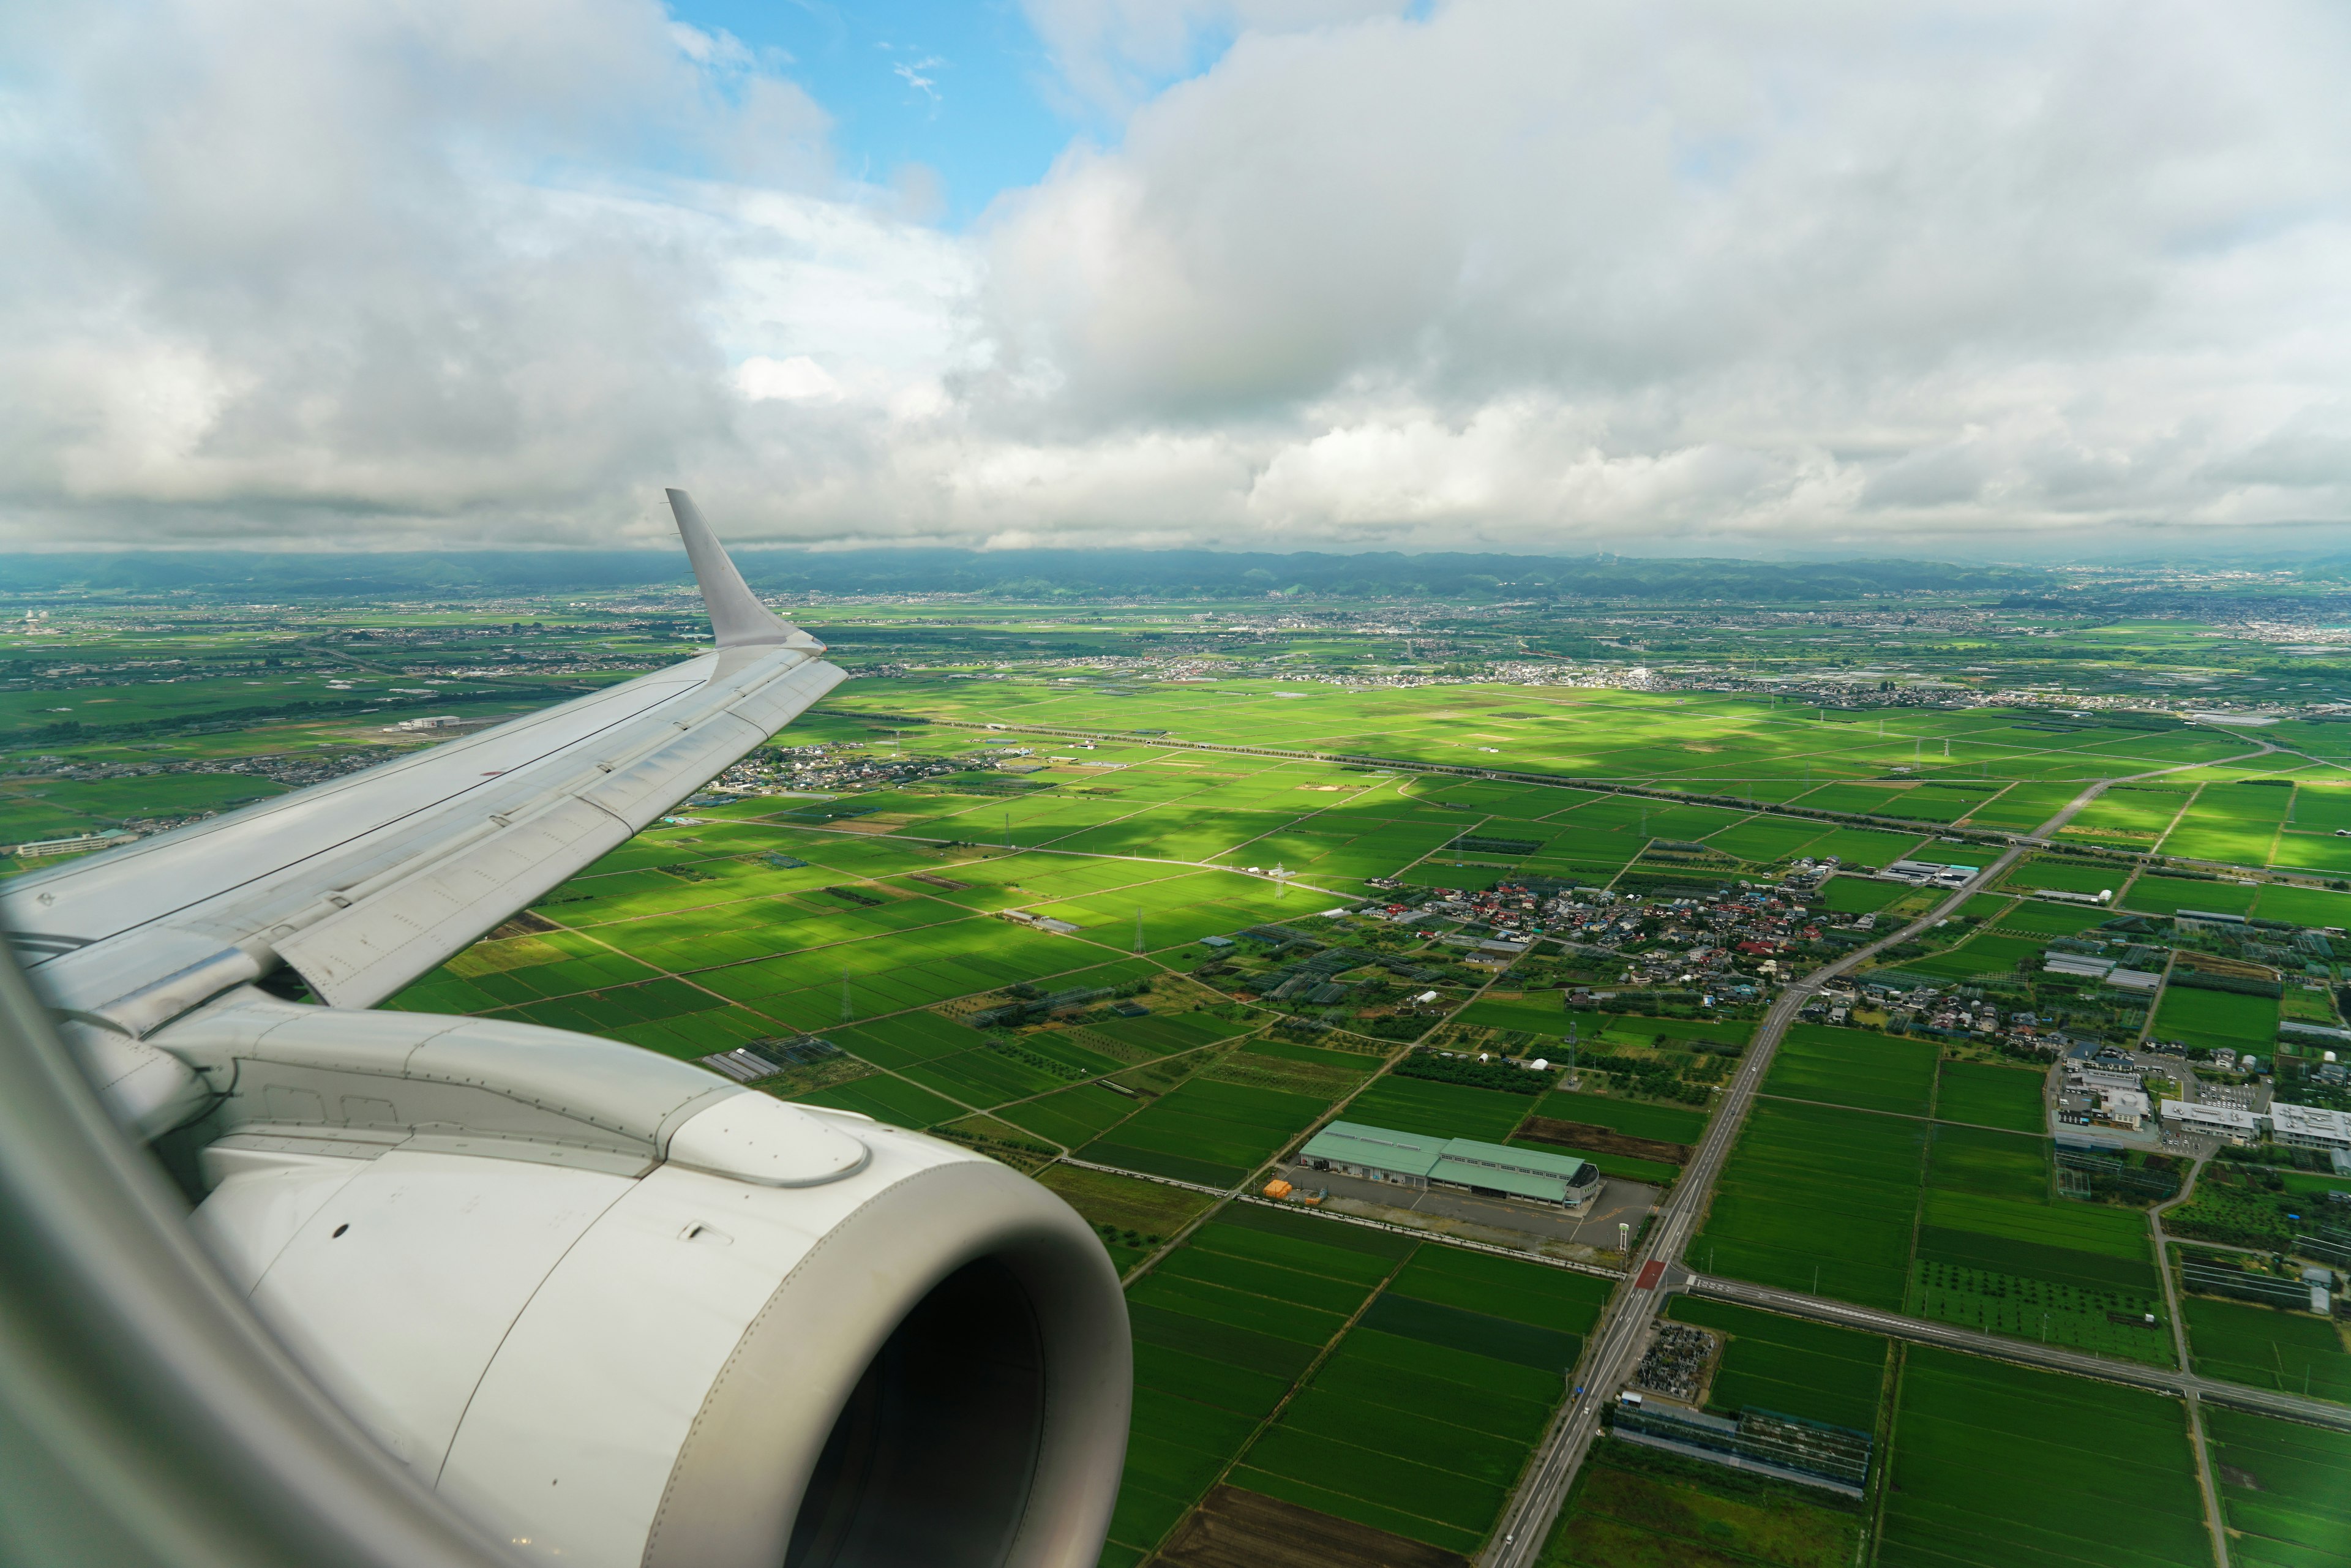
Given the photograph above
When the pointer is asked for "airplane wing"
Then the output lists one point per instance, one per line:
(362, 884)
(591, 1300)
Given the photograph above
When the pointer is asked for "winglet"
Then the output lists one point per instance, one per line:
(738, 619)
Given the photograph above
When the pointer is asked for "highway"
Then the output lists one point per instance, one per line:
(1626, 1324)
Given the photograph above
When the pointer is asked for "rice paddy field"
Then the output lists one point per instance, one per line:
(1816, 1371)
(1870, 1201)
(1380, 1378)
(1987, 1094)
(1366, 1376)
(2212, 1019)
(2281, 1489)
(2269, 1348)
(1996, 1466)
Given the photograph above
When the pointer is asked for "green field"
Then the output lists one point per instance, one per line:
(2062, 876)
(1634, 1507)
(1817, 1198)
(2170, 894)
(1852, 1067)
(1996, 1466)
(1421, 1419)
(1668, 1123)
(2281, 1487)
(1385, 1379)
(1816, 1371)
(1222, 1331)
(2244, 1343)
(1996, 1252)
(2214, 1018)
(1987, 954)
(1214, 1134)
(1988, 1095)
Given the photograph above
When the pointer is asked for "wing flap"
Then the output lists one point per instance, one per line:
(363, 954)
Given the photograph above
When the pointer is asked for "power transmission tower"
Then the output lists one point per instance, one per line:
(1138, 928)
(844, 996)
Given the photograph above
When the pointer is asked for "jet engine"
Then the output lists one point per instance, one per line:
(618, 1309)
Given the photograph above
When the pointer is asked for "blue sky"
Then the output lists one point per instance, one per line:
(964, 89)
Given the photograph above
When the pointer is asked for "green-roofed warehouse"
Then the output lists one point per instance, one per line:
(1416, 1160)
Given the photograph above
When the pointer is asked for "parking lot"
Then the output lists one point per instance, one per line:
(1505, 1220)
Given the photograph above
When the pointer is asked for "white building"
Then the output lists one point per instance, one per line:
(2308, 1127)
(2220, 1121)
(2122, 1108)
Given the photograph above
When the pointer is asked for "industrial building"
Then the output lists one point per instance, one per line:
(2218, 1121)
(1925, 873)
(1419, 1160)
(2308, 1127)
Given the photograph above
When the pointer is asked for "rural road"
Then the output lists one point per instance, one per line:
(2029, 1353)
(1624, 1326)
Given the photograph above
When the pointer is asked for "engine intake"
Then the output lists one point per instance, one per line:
(618, 1311)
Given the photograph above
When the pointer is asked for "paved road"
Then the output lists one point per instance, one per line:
(1626, 1324)
(1624, 1332)
(2030, 1353)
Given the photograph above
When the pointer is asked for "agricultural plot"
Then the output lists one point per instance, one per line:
(1213, 1133)
(1439, 1110)
(1635, 1028)
(1978, 1447)
(2029, 917)
(2170, 894)
(1986, 1094)
(1422, 1418)
(1858, 896)
(1814, 1371)
(2127, 816)
(2304, 906)
(510, 971)
(2268, 1348)
(1132, 1217)
(1762, 841)
(1988, 952)
(1634, 1118)
(2213, 1018)
(1538, 1013)
(1303, 1069)
(1923, 802)
(2233, 822)
(1852, 1067)
(1222, 1331)
(1865, 847)
(1817, 1198)
(2060, 875)
(1634, 1507)
(2322, 852)
(2024, 807)
(2282, 1488)
(1995, 1252)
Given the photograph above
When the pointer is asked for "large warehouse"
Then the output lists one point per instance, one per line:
(1417, 1160)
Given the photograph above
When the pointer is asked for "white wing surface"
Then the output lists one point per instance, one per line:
(364, 883)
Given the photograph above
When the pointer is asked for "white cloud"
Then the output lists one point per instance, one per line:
(1508, 274)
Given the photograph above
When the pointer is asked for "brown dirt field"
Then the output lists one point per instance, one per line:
(1236, 1528)
(1601, 1140)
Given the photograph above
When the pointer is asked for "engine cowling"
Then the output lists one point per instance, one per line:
(617, 1310)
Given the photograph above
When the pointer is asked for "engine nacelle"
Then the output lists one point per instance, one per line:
(617, 1310)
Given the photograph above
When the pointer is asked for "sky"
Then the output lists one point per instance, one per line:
(2046, 281)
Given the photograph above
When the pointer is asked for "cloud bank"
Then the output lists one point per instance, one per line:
(1657, 277)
